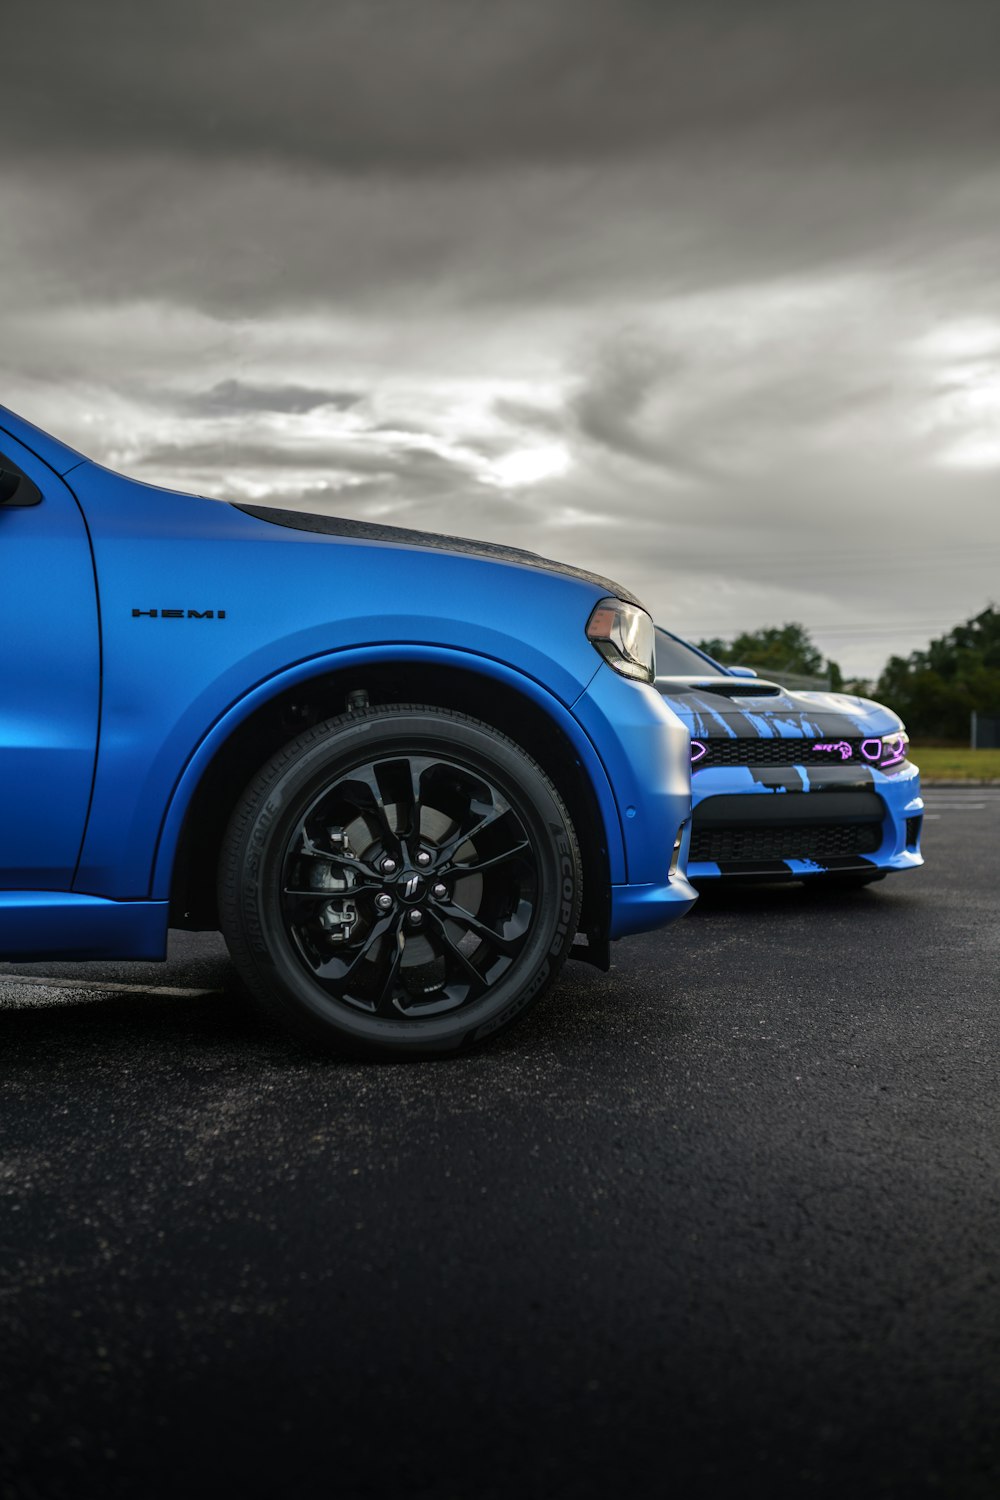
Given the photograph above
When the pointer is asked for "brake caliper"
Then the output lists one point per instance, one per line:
(339, 916)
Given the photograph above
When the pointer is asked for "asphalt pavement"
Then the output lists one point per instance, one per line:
(723, 1221)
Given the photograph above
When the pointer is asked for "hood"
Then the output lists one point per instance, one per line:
(719, 705)
(60, 457)
(369, 531)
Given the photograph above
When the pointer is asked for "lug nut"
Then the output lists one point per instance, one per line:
(439, 891)
(423, 859)
(416, 917)
(388, 866)
(384, 902)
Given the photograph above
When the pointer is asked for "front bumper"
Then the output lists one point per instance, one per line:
(792, 808)
(645, 751)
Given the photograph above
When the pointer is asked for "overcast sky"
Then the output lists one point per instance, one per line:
(704, 296)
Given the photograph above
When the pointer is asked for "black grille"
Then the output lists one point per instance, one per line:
(776, 752)
(761, 843)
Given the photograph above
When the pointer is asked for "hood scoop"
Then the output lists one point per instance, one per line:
(722, 687)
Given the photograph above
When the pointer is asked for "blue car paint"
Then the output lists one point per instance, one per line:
(899, 792)
(651, 781)
(189, 613)
(56, 455)
(64, 925)
(49, 686)
(794, 716)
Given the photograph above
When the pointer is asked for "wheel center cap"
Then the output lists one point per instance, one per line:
(411, 888)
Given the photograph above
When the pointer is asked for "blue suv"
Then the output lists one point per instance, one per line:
(406, 775)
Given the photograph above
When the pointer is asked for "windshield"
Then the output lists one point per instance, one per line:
(676, 658)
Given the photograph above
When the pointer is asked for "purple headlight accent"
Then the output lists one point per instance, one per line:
(871, 749)
(697, 751)
(894, 753)
(841, 748)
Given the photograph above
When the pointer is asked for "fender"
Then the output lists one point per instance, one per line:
(317, 666)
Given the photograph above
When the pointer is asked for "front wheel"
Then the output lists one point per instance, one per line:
(400, 881)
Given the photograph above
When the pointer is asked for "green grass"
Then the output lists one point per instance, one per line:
(956, 764)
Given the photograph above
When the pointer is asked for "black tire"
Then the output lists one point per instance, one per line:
(417, 810)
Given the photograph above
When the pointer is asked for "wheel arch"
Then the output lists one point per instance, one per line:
(272, 714)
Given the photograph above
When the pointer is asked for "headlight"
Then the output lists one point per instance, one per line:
(894, 748)
(887, 752)
(623, 634)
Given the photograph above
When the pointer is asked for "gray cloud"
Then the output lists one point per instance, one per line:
(235, 398)
(613, 401)
(238, 453)
(699, 294)
(388, 85)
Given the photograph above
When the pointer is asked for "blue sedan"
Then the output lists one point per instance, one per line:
(790, 785)
(406, 775)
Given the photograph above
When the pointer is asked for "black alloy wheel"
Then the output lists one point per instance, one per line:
(404, 880)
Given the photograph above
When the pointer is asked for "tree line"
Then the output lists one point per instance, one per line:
(774, 650)
(934, 690)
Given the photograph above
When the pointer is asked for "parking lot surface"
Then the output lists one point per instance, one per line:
(723, 1219)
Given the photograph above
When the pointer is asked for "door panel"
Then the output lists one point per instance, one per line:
(49, 682)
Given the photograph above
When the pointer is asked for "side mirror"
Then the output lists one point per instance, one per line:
(16, 489)
(741, 671)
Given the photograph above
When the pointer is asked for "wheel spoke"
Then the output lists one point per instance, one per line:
(515, 852)
(447, 849)
(297, 893)
(477, 983)
(311, 850)
(343, 977)
(392, 947)
(374, 803)
(507, 946)
(416, 766)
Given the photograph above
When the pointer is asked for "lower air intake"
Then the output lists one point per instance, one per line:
(763, 843)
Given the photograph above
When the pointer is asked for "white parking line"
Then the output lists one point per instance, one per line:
(104, 984)
(960, 806)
